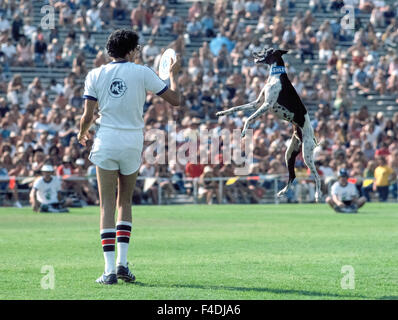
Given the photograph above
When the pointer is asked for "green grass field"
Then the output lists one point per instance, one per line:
(206, 252)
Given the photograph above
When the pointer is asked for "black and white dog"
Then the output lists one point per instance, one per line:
(281, 98)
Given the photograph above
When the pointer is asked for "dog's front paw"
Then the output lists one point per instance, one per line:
(221, 113)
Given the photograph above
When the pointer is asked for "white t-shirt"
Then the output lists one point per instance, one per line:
(9, 50)
(4, 25)
(47, 192)
(120, 88)
(347, 193)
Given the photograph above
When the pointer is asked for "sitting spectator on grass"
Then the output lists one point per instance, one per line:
(344, 196)
(46, 195)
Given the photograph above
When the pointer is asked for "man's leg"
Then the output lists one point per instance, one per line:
(360, 202)
(126, 186)
(107, 180)
(366, 191)
(332, 204)
(383, 193)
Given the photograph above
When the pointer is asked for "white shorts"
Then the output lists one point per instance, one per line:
(117, 149)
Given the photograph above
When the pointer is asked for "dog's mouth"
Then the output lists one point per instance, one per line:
(259, 57)
(259, 60)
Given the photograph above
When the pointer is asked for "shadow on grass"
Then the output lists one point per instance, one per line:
(246, 289)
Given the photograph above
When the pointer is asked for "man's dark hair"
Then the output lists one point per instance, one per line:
(121, 42)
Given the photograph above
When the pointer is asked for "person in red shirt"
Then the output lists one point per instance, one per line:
(194, 170)
(383, 150)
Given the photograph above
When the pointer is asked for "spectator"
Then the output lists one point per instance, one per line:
(165, 183)
(46, 193)
(24, 53)
(305, 47)
(7, 190)
(208, 188)
(80, 18)
(195, 10)
(360, 79)
(119, 9)
(40, 49)
(194, 27)
(252, 9)
(315, 5)
(207, 23)
(94, 18)
(9, 51)
(65, 14)
(106, 12)
(344, 195)
(16, 27)
(86, 192)
(149, 52)
(16, 93)
(368, 180)
(384, 176)
(138, 16)
(29, 30)
(5, 25)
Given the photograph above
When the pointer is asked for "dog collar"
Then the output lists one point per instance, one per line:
(277, 70)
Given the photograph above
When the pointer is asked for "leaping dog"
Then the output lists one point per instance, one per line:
(281, 98)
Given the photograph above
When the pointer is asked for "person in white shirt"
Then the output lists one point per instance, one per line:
(119, 90)
(149, 52)
(4, 24)
(344, 195)
(45, 195)
(94, 21)
(9, 50)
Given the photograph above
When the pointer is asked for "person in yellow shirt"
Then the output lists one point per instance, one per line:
(384, 175)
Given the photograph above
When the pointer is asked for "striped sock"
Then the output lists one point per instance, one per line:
(123, 232)
(108, 245)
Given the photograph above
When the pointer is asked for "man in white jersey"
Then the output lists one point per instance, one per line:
(344, 195)
(119, 90)
(45, 195)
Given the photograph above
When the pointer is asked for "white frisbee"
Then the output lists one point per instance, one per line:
(165, 63)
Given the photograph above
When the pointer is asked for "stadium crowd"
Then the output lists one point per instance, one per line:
(39, 123)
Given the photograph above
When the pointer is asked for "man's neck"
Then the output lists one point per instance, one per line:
(47, 180)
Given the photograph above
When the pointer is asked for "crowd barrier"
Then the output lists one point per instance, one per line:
(194, 185)
(303, 188)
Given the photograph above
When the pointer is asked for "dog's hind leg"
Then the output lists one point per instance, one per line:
(245, 107)
(309, 143)
(292, 151)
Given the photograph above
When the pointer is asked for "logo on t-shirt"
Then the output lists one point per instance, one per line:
(117, 88)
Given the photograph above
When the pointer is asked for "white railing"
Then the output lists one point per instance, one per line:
(193, 184)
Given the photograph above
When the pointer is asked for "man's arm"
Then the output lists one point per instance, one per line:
(336, 200)
(33, 200)
(86, 120)
(172, 95)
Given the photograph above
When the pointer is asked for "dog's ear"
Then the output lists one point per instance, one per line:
(282, 52)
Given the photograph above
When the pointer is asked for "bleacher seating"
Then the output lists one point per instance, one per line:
(374, 102)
